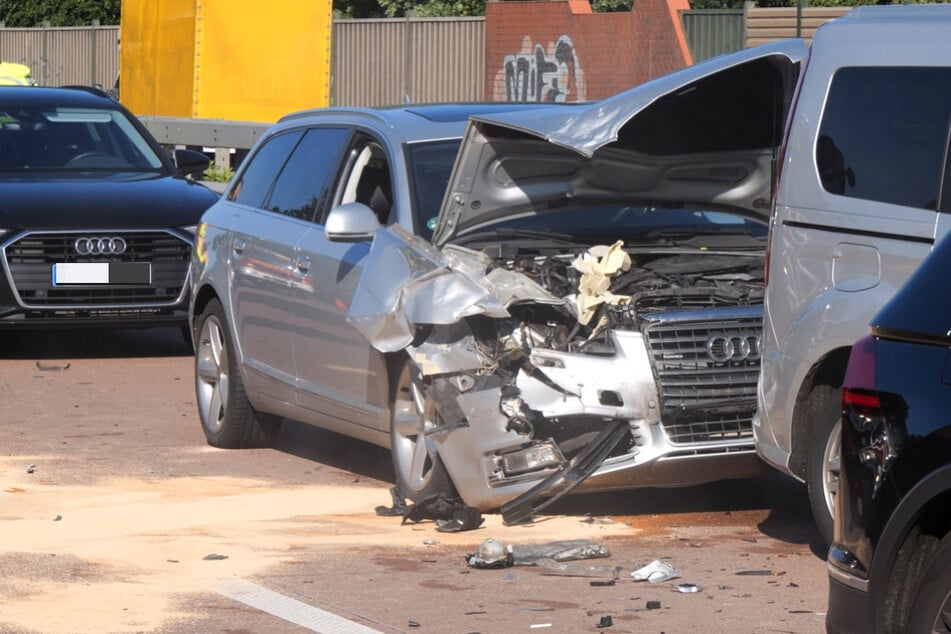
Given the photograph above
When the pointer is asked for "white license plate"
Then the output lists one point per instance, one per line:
(122, 273)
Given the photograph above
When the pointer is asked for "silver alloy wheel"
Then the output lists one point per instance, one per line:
(831, 464)
(211, 373)
(414, 454)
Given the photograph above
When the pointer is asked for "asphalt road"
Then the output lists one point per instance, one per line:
(116, 516)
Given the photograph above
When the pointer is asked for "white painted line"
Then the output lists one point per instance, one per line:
(291, 610)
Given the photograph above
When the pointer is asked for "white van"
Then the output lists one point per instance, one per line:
(859, 202)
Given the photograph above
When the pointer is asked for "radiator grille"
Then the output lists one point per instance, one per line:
(30, 260)
(707, 373)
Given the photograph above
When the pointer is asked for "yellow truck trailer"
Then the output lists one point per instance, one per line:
(221, 59)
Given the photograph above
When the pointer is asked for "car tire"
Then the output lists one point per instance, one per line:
(420, 472)
(227, 417)
(823, 459)
(931, 608)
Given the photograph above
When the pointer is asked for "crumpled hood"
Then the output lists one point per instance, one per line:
(705, 135)
(129, 201)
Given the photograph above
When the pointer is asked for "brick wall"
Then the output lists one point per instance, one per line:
(558, 50)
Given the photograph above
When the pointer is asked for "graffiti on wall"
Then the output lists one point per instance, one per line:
(538, 75)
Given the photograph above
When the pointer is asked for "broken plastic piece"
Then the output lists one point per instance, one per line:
(653, 605)
(755, 573)
(687, 588)
(602, 583)
(519, 509)
(606, 621)
(655, 572)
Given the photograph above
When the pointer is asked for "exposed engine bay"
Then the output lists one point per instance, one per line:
(573, 363)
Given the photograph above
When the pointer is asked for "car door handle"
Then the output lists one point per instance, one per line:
(238, 245)
(302, 262)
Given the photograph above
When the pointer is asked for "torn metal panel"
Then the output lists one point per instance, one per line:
(406, 282)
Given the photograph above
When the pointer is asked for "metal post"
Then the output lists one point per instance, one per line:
(94, 54)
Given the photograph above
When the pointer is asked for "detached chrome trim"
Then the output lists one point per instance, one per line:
(846, 579)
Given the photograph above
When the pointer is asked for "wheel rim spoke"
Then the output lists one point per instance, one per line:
(212, 373)
(418, 467)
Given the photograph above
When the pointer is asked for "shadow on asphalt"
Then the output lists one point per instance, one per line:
(788, 516)
(93, 343)
(335, 450)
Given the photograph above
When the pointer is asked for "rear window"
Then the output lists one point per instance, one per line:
(884, 133)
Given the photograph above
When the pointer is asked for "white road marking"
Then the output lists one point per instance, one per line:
(289, 609)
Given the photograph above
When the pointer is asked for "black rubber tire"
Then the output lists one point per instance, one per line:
(227, 417)
(433, 479)
(824, 408)
(931, 607)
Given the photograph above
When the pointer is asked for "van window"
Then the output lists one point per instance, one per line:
(883, 134)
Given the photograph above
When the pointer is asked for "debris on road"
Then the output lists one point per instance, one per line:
(655, 572)
(491, 554)
(214, 557)
(559, 551)
(687, 588)
(51, 367)
(606, 621)
(31, 468)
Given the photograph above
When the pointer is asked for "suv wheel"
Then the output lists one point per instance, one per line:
(226, 415)
(419, 469)
(824, 456)
(931, 609)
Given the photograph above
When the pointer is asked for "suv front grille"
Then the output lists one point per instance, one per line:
(708, 394)
(30, 258)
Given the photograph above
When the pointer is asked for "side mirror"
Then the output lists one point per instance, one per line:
(191, 163)
(351, 222)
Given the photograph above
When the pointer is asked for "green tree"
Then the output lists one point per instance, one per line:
(58, 12)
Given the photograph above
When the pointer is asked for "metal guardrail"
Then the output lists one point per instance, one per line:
(216, 133)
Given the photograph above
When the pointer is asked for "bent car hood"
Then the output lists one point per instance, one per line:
(706, 134)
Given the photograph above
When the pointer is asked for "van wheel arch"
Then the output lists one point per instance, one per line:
(829, 371)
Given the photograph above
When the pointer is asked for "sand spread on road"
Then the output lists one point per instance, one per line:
(139, 543)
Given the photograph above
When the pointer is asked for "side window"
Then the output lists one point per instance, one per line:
(303, 185)
(883, 134)
(367, 179)
(255, 181)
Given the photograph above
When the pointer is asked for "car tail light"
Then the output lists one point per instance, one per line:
(859, 396)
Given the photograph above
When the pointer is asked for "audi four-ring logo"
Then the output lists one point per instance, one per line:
(724, 347)
(99, 246)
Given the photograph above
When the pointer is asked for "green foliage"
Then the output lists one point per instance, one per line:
(218, 173)
(20, 13)
(432, 8)
(610, 6)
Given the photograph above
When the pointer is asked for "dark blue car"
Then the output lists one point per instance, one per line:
(97, 220)
(890, 562)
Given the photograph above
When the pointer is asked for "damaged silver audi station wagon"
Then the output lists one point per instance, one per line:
(585, 314)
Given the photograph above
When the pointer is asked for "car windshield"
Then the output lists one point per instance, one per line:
(632, 224)
(71, 139)
(430, 165)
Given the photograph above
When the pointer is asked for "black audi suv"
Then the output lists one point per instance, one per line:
(97, 220)
(890, 563)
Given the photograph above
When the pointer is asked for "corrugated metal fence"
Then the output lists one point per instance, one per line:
(65, 55)
(420, 60)
(379, 62)
(712, 32)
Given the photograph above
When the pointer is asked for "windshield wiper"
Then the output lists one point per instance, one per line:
(511, 232)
